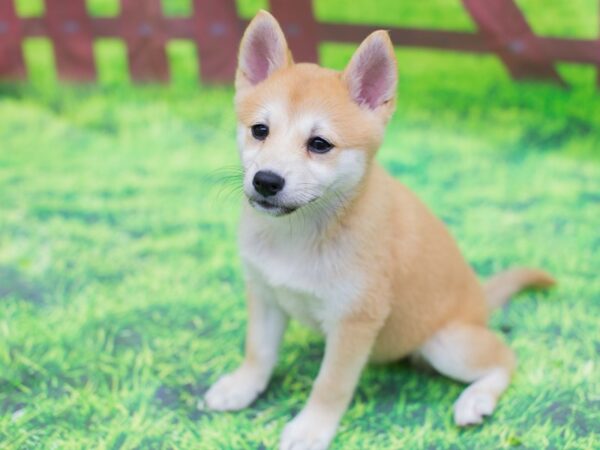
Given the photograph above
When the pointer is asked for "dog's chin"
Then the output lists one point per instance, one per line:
(272, 209)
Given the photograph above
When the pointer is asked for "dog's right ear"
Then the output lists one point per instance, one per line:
(263, 50)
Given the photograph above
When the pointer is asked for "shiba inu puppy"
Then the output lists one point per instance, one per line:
(327, 237)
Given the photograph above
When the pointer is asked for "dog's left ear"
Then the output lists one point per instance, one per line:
(263, 50)
(371, 74)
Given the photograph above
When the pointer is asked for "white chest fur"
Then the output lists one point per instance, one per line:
(314, 281)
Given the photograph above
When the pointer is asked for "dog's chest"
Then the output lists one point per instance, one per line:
(314, 284)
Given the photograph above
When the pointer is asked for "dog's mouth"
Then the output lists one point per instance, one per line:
(275, 209)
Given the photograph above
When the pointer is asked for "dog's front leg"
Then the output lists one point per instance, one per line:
(347, 350)
(266, 325)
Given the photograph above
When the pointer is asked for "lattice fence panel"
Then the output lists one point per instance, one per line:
(215, 27)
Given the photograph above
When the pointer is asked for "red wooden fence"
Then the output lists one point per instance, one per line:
(216, 28)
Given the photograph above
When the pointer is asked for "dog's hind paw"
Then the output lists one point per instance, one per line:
(472, 406)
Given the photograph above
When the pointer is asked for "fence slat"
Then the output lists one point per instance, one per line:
(106, 27)
(180, 28)
(69, 28)
(580, 51)
(217, 30)
(141, 25)
(12, 66)
(508, 34)
(301, 30)
(405, 37)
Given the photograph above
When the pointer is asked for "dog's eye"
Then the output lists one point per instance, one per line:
(260, 131)
(319, 145)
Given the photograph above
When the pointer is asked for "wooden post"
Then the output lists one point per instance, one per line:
(12, 66)
(141, 25)
(508, 34)
(300, 28)
(70, 30)
(217, 35)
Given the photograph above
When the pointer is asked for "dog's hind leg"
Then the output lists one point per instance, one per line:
(471, 354)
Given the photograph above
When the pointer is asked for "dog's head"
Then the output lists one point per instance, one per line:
(306, 133)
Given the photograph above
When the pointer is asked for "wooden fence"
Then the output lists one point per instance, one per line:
(215, 27)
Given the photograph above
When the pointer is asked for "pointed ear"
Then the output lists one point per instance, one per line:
(371, 74)
(263, 50)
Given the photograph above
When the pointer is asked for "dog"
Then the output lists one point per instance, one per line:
(328, 238)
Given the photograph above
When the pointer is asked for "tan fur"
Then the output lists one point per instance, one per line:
(416, 293)
(501, 286)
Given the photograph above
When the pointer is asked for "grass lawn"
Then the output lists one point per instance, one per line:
(121, 296)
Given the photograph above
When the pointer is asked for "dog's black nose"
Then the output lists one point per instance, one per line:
(267, 183)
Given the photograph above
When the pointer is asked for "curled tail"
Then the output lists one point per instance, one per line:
(503, 285)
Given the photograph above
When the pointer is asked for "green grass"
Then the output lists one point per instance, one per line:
(121, 296)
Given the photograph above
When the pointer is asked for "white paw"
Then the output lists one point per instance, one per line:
(233, 391)
(307, 432)
(472, 405)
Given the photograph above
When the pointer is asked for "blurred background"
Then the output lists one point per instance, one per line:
(121, 294)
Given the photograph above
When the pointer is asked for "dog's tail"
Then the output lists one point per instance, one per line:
(503, 285)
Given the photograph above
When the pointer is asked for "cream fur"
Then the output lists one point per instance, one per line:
(362, 260)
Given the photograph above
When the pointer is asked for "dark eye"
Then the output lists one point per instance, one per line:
(319, 145)
(260, 131)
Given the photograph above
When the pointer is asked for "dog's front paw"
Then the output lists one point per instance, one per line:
(308, 432)
(234, 391)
